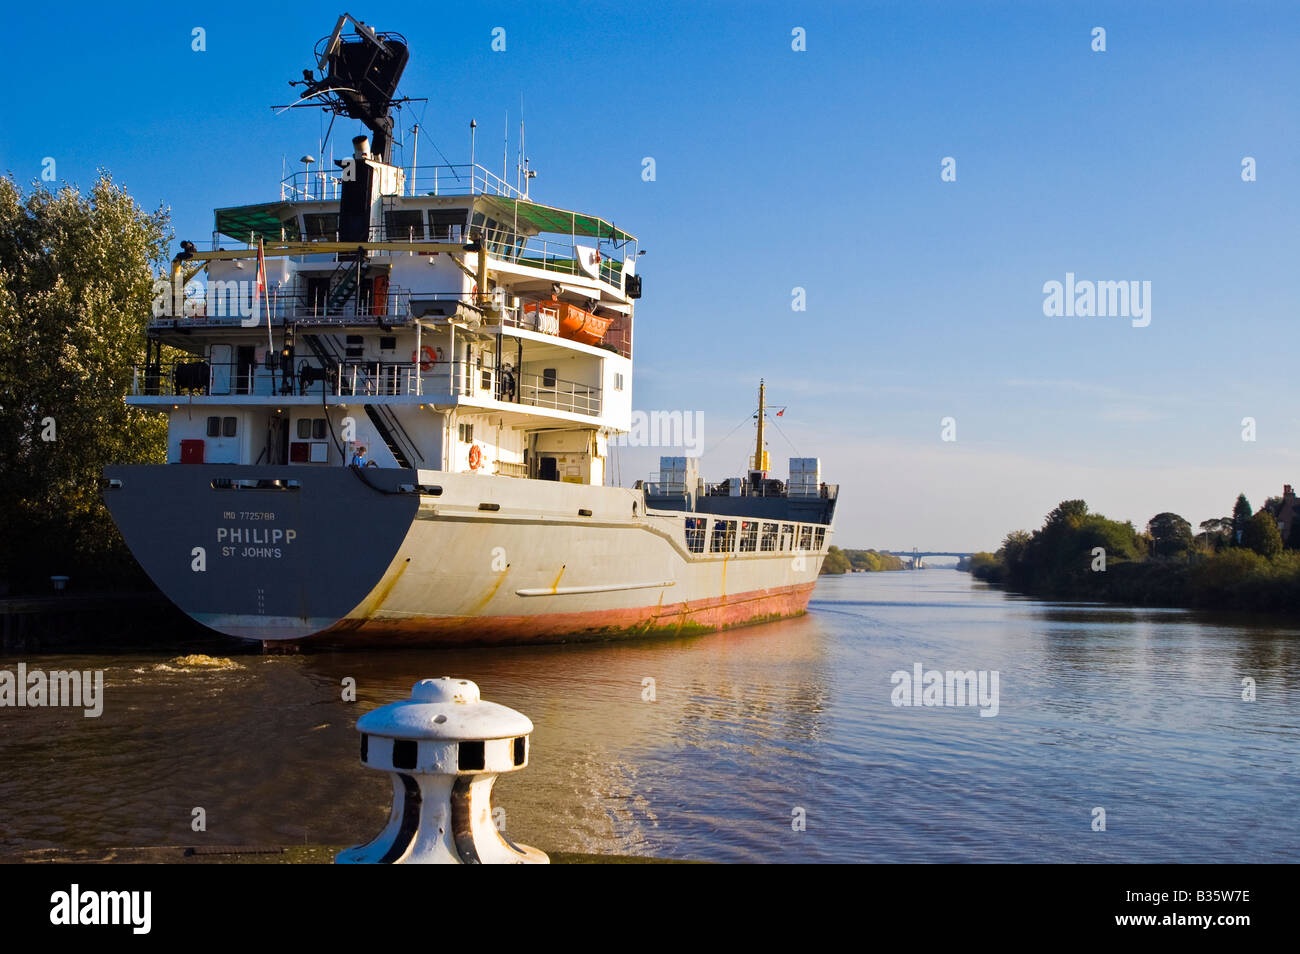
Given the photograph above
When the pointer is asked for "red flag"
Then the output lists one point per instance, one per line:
(780, 412)
(259, 294)
(260, 288)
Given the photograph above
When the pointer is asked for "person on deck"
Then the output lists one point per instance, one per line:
(359, 458)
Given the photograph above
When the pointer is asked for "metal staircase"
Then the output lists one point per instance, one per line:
(343, 284)
(390, 430)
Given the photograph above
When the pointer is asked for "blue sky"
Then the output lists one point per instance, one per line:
(821, 169)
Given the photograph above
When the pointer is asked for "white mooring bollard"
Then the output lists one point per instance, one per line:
(444, 747)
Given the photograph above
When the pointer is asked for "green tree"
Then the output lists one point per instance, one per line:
(1171, 535)
(1216, 532)
(1119, 540)
(1262, 535)
(76, 274)
(1068, 513)
(835, 561)
(1241, 512)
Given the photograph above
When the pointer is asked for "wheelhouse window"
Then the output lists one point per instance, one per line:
(787, 536)
(404, 225)
(769, 537)
(447, 225)
(501, 242)
(321, 226)
(805, 538)
(819, 538)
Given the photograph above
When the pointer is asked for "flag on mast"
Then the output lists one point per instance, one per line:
(259, 293)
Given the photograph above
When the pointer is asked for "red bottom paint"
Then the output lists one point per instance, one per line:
(714, 613)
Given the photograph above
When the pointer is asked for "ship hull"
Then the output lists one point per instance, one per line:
(338, 558)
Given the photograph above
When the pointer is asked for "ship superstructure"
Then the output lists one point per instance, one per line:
(390, 410)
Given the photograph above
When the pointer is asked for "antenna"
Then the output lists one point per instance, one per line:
(415, 155)
(360, 75)
(473, 127)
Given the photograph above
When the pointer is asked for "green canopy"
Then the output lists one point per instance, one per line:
(263, 221)
(532, 217)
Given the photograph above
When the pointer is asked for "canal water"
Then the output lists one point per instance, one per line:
(771, 743)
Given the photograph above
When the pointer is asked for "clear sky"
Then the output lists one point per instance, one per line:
(820, 169)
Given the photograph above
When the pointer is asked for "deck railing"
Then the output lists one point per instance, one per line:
(234, 307)
(359, 379)
(449, 179)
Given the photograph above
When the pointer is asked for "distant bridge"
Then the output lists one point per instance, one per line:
(926, 553)
(916, 559)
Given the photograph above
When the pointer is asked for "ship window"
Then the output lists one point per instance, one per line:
(318, 428)
(228, 425)
(548, 377)
(304, 428)
(388, 343)
(769, 536)
(820, 538)
(805, 538)
(404, 225)
(618, 382)
(748, 536)
(466, 432)
(214, 427)
(446, 225)
(724, 536)
(787, 536)
(321, 226)
(695, 534)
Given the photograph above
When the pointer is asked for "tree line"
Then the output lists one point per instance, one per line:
(1235, 562)
(845, 561)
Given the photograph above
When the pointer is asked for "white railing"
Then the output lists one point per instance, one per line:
(448, 179)
(557, 393)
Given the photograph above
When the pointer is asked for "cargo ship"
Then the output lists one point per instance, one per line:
(391, 404)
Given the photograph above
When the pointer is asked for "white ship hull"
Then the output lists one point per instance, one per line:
(450, 559)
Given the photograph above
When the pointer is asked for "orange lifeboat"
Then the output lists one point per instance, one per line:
(575, 323)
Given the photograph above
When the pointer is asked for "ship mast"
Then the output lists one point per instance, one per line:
(762, 410)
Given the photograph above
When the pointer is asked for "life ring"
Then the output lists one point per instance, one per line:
(431, 357)
(475, 457)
